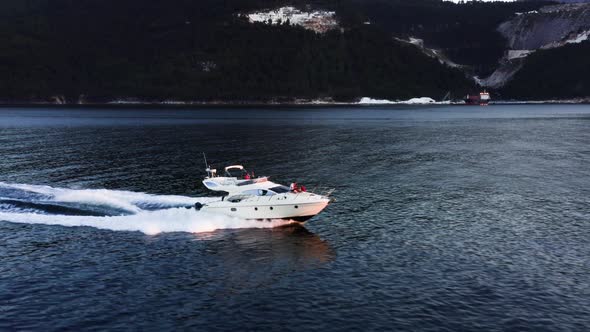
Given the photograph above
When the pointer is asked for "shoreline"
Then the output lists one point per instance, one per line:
(296, 103)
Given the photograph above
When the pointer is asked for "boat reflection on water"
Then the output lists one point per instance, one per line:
(254, 258)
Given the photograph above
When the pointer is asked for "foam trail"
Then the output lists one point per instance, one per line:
(148, 222)
(170, 215)
(125, 200)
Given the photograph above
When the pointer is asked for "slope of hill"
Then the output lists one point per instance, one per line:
(202, 50)
(466, 33)
(553, 74)
(546, 28)
(211, 50)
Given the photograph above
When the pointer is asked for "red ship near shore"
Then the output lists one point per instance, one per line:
(482, 99)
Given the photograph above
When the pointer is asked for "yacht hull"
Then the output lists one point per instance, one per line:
(300, 212)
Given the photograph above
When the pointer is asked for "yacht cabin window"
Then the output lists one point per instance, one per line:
(259, 192)
(280, 189)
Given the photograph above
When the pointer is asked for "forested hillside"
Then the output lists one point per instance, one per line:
(553, 74)
(103, 50)
(466, 33)
(201, 50)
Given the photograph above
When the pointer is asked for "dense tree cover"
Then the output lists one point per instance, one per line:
(200, 50)
(556, 73)
(466, 33)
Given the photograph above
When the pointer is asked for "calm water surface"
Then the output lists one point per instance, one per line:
(447, 218)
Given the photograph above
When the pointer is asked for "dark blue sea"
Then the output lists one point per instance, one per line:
(447, 218)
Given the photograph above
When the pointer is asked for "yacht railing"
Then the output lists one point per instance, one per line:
(322, 190)
(316, 191)
(319, 191)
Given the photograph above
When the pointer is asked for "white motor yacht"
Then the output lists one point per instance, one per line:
(259, 198)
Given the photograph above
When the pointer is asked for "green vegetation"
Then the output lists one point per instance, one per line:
(202, 51)
(557, 73)
(466, 33)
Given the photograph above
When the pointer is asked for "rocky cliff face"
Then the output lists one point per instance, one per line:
(550, 26)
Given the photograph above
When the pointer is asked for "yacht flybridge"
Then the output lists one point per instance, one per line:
(250, 197)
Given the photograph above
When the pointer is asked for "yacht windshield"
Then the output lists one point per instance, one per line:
(280, 189)
(235, 173)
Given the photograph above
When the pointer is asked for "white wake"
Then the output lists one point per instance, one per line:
(171, 215)
(125, 200)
